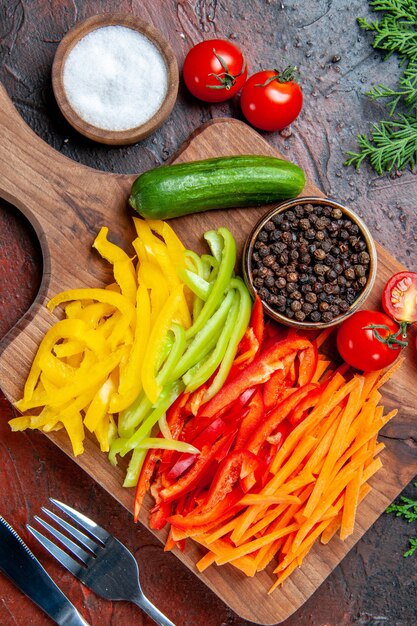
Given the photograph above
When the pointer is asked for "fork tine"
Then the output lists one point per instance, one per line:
(94, 529)
(85, 541)
(71, 564)
(72, 547)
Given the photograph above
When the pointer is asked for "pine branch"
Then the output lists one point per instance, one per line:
(392, 145)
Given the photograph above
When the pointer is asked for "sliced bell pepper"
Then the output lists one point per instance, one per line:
(237, 465)
(225, 272)
(155, 344)
(299, 412)
(123, 269)
(206, 437)
(307, 364)
(251, 420)
(278, 380)
(275, 417)
(199, 470)
(259, 371)
(130, 383)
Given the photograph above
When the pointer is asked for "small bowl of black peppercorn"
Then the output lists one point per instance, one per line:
(312, 262)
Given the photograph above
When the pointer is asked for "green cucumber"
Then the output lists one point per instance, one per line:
(221, 183)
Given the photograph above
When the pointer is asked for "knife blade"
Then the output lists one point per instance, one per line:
(22, 568)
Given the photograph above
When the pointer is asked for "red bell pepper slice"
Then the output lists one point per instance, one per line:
(300, 411)
(159, 515)
(278, 380)
(199, 470)
(202, 518)
(237, 465)
(250, 420)
(206, 438)
(307, 364)
(144, 481)
(259, 371)
(257, 320)
(275, 417)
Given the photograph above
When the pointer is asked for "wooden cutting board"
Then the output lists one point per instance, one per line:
(67, 203)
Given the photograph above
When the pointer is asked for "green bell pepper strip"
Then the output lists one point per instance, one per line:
(198, 285)
(134, 468)
(215, 242)
(176, 351)
(193, 262)
(238, 330)
(152, 443)
(133, 415)
(208, 335)
(210, 267)
(195, 377)
(220, 285)
(169, 394)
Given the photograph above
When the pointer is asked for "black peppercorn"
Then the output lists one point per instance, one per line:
(310, 262)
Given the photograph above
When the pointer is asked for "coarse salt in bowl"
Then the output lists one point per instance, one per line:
(115, 78)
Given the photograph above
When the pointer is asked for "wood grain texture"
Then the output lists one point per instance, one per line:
(374, 585)
(67, 203)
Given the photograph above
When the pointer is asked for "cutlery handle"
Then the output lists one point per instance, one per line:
(159, 618)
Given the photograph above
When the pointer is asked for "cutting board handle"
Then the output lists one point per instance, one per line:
(66, 203)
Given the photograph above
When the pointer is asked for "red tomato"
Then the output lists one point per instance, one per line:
(271, 100)
(399, 297)
(214, 70)
(360, 347)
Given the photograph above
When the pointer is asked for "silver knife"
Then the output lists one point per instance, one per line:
(21, 566)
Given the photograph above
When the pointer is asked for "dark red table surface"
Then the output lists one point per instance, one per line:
(374, 584)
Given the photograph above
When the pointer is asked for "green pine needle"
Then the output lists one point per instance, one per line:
(407, 509)
(392, 144)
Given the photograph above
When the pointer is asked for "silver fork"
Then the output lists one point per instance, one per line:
(105, 565)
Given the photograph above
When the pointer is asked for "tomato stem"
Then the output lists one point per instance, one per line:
(391, 340)
(226, 80)
(290, 73)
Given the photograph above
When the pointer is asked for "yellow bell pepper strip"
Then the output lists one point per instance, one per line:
(155, 344)
(94, 313)
(99, 405)
(73, 424)
(173, 242)
(223, 277)
(119, 301)
(68, 349)
(130, 381)
(55, 370)
(64, 329)
(123, 269)
(85, 379)
(106, 432)
(73, 309)
(150, 276)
